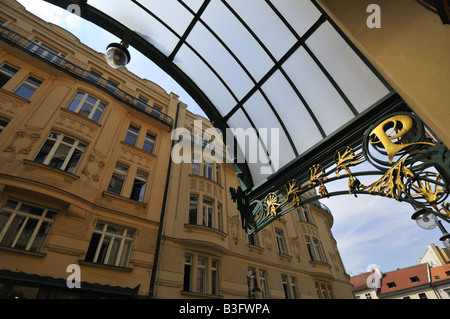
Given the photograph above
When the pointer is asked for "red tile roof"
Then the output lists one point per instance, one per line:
(360, 281)
(404, 278)
(440, 273)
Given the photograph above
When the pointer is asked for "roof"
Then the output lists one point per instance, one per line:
(440, 273)
(277, 65)
(404, 278)
(360, 281)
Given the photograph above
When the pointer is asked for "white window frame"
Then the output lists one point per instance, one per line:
(82, 97)
(127, 236)
(17, 212)
(57, 138)
(281, 244)
(120, 170)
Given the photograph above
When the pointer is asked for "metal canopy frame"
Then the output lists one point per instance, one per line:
(257, 85)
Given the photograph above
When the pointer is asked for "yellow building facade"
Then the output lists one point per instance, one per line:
(92, 205)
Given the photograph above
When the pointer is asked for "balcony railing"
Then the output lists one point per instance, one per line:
(44, 54)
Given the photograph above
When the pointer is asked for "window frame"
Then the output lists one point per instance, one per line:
(8, 74)
(57, 142)
(201, 278)
(27, 84)
(281, 242)
(15, 212)
(123, 238)
(82, 101)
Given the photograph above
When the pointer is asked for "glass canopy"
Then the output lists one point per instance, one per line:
(274, 64)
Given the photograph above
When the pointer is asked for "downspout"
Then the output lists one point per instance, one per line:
(161, 220)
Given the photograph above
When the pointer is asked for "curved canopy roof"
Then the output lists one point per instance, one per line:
(275, 64)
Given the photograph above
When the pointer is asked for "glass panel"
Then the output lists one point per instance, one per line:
(126, 250)
(136, 19)
(237, 38)
(115, 230)
(113, 252)
(266, 25)
(4, 217)
(39, 240)
(42, 155)
(13, 230)
(301, 15)
(103, 250)
(95, 239)
(251, 147)
(327, 105)
(73, 162)
(26, 233)
(352, 75)
(291, 110)
(59, 156)
(278, 148)
(29, 209)
(171, 12)
(189, 63)
(220, 60)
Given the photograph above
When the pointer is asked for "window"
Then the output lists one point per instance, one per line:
(422, 295)
(111, 86)
(187, 272)
(61, 152)
(414, 279)
(25, 226)
(93, 76)
(280, 242)
(294, 288)
(6, 73)
(45, 51)
(149, 143)
(142, 103)
(303, 214)
(201, 274)
(208, 213)
(314, 249)
(318, 250)
(156, 111)
(3, 123)
(253, 239)
(132, 135)
(110, 245)
(140, 181)
(209, 217)
(391, 284)
(287, 293)
(263, 284)
(218, 175)
(214, 277)
(324, 290)
(207, 170)
(195, 168)
(369, 296)
(87, 106)
(193, 210)
(118, 179)
(28, 87)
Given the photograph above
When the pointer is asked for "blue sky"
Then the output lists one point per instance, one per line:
(369, 229)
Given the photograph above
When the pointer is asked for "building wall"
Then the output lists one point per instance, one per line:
(80, 197)
(409, 50)
(229, 246)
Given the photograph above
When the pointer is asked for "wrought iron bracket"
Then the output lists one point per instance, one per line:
(408, 164)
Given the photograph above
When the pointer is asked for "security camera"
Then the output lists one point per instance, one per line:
(117, 55)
